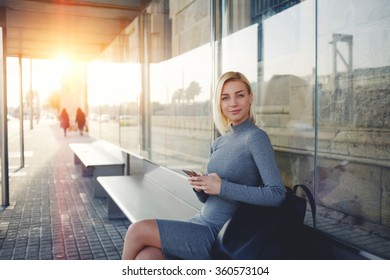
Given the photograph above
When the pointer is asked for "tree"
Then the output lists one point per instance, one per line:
(54, 100)
(192, 91)
(178, 95)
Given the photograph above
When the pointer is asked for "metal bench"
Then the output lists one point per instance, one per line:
(99, 158)
(154, 192)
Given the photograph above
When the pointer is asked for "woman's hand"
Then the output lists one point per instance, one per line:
(210, 184)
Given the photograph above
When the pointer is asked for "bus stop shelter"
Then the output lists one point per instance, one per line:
(41, 29)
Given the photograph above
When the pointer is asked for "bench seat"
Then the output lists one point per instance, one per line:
(91, 156)
(97, 153)
(99, 158)
(137, 197)
(158, 193)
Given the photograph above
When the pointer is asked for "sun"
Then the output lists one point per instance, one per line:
(63, 65)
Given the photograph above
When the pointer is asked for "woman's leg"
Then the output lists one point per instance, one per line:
(81, 129)
(150, 253)
(142, 241)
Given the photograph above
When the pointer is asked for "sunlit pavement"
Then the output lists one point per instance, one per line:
(52, 212)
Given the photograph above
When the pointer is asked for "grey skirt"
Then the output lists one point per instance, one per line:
(186, 240)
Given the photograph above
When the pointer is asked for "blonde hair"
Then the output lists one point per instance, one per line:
(222, 123)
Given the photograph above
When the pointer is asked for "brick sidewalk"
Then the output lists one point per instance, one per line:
(52, 212)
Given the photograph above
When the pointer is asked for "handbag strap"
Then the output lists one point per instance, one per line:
(311, 201)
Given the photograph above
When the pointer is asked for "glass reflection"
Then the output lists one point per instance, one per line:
(353, 106)
(113, 102)
(181, 110)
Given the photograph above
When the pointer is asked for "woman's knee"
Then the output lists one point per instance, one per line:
(150, 253)
(142, 231)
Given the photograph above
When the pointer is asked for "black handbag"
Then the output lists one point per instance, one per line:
(257, 232)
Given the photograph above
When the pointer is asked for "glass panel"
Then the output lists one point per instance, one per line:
(114, 91)
(285, 89)
(179, 83)
(13, 107)
(245, 60)
(2, 93)
(273, 45)
(181, 122)
(354, 124)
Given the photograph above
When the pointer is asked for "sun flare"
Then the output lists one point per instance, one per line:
(63, 65)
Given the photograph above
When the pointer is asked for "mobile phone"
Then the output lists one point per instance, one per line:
(190, 172)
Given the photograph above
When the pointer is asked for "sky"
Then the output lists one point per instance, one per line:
(46, 77)
(113, 83)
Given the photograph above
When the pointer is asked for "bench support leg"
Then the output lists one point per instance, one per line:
(117, 170)
(76, 159)
(98, 191)
(114, 212)
(86, 171)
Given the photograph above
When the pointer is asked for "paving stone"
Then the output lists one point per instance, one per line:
(53, 214)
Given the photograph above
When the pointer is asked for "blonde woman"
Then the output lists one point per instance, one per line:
(241, 168)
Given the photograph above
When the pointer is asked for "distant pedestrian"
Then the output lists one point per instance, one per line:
(64, 120)
(80, 120)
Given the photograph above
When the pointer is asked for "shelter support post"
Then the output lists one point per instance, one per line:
(3, 111)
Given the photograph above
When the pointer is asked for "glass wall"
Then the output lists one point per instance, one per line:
(2, 128)
(179, 78)
(320, 73)
(155, 98)
(114, 89)
(353, 121)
